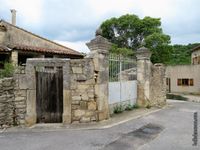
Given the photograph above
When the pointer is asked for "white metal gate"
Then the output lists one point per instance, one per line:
(122, 80)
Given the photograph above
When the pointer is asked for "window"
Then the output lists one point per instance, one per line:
(191, 82)
(185, 82)
(179, 82)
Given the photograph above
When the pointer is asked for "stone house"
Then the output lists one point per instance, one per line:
(17, 44)
(185, 78)
(195, 57)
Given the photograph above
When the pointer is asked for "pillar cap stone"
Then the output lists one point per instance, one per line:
(143, 53)
(99, 43)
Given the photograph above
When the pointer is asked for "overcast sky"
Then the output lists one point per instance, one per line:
(73, 22)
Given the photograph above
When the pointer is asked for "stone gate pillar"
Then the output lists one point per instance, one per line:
(143, 76)
(99, 53)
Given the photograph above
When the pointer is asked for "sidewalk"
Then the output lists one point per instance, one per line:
(116, 119)
(192, 98)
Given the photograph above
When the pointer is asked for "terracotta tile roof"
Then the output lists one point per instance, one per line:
(62, 50)
(4, 48)
(44, 50)
(196, 48)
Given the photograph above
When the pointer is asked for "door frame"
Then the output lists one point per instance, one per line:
(38, 63)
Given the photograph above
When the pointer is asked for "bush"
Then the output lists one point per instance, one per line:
(131, 107)
(118, 109)
(8, 70)
(176, 97)
(136, 106)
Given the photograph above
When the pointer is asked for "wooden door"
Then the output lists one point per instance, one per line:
(49, 95)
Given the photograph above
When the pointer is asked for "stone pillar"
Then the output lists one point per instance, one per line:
(99, 52)
(14, 57)
(30, 85)
(143, 76)
(67, 100)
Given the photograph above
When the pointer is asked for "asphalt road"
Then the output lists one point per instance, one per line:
(169, 129)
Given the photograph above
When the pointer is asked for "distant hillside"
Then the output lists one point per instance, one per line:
(181, 54)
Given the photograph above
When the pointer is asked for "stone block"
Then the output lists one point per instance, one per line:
(83, 105)
(77, 70)
(90, 113)
(103, 115)
(93, 118)
(20, 93)
(79, 113)
(85, 119)
(76, 98)
(81, 77)
(7, 82)
(76, 102)
(90, 82)
(73, 86)
(75, 107)
(92, 105)
(83, 86)
(91, 95)
(20, 98)
(84, 97)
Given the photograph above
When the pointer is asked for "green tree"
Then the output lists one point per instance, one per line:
(159, 45)
(129, 32)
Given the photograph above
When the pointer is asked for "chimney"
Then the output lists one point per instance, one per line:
(13, 12)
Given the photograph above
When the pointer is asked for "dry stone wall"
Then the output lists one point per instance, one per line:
(12, 102)
(7, 105)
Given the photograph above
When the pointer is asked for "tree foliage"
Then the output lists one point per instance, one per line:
(131, 32)
(181, 54)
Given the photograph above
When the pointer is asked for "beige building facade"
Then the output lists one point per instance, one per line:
(185, 78)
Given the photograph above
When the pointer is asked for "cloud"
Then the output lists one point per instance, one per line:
(78, 46)
(77, 20)
(28, 11)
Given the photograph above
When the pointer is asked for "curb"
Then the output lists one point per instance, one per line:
(96, 126)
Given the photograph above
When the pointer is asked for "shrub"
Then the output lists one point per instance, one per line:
(8, 70)
(118, 109)
(176, 97)
(136, 106)
(129, 107)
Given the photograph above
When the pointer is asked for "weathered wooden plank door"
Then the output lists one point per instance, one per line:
(49, 95)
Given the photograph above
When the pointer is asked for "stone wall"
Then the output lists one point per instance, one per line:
(12, 101)
(151, 80)
(7, 105)
(84, 105)
(20, 93)
(157, 85)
